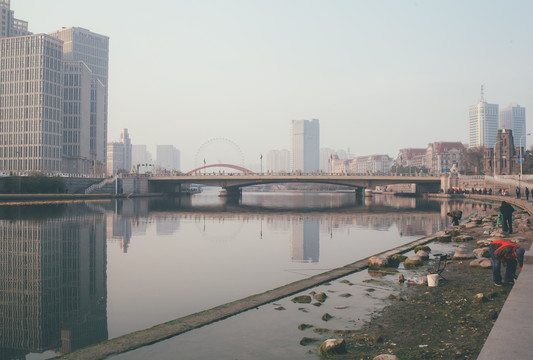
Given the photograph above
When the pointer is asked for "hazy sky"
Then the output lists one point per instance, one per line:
(379, 75)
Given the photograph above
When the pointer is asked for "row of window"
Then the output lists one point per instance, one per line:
(22, 62)
(28, 113)
(28, 152)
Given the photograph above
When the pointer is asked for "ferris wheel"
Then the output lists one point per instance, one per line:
(219, 151)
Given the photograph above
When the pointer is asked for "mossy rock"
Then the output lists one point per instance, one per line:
(423, 248)
(304, 326)
(308, 341)
(327, 317)
(332, 347)
(321, 296)
(462, 238)
(444, 238)
(412, 262)
(345, 295)
(394, 260)
(302, 299)
(453, 233)
(376, 262)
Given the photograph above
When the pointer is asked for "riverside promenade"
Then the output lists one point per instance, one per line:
(510, 338)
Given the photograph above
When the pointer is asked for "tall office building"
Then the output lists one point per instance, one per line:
(513, 117)
(77, 87)
(9, 25)
(38, 85)
(119, 155)
(140, 155)
(278, 161)
(168, 158)
(305, 145)
(93, 49)
(31, 114)
(483, 123)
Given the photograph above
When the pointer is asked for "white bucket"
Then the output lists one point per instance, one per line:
(433, 280)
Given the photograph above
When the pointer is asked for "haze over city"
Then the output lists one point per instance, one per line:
(380, 76)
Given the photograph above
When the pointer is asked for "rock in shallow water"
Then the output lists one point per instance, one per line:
(332, 347)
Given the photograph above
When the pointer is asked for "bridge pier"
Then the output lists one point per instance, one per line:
(230, 192)
(359, 193)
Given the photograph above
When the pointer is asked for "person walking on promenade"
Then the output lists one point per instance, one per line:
(507, 217)
(509, 254)
(517, 192)
(527, 193)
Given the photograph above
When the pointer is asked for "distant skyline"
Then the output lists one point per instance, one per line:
(380, 75)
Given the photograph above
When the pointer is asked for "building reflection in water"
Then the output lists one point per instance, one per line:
(305, 240)
(52, 280)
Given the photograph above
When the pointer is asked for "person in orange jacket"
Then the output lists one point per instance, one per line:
(507, 253)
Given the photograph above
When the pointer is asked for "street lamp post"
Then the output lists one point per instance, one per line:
(261, 157)
(521, 161)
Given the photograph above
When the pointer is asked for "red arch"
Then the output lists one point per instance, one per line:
(234, 167)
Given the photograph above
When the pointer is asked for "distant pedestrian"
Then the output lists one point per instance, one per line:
(509, 254)
(507, 217)
(527, 193)
(517, 192)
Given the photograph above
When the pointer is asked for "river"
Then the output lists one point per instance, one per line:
(77, 273)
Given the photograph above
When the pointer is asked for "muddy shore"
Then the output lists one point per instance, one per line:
(451, 321)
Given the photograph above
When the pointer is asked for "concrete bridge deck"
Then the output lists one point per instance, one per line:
(238, 181)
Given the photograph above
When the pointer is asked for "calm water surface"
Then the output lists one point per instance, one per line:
(77, 273)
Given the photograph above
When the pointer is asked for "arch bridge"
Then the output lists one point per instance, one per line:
(232, 184)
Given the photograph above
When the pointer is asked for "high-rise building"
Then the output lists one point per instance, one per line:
(93, 49)
(305, 145)
(9, 25)
(168, 158)
(140, 155)
(77, 87)
(278, 161)
(31, 104)
(513, 118)
(38, 85)
(119, 154)
(483, 123)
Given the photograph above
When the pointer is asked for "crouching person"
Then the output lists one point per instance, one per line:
(509, 254)
(455, 216)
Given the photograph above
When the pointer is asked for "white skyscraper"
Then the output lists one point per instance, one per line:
(305, 145)
(93, 49)
(119, 154)
(513, 117)
(9, 26)
(168, 158)
(278, 161)
(483, 123)
(31, 104)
